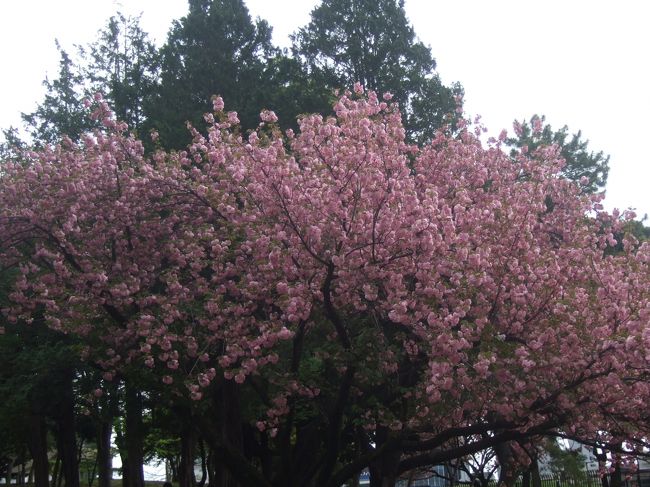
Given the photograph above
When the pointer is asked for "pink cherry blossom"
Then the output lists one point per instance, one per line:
(338, 266)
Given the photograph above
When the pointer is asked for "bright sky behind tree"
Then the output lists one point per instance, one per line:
(583, 63)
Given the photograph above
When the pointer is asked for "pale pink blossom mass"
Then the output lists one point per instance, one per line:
(510, 293)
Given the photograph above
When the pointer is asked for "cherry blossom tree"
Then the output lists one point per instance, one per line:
(332, 300)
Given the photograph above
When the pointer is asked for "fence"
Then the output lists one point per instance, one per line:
(591, 478)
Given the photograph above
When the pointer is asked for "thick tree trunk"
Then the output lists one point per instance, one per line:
(353, 482)
(125, 471)
(120, 442)
(104, 457)
(382, 477)
(601, 457)
(535, 477)
(66, 436)
(23, 472)
(507, 471)
(10, 469)
(531, 477)
(67, 446)
(204, 464)
(173, 466)
(213, 468)
(186, 470)
(229, 417)
(616, 477)
(134, 432)
(56, 471)
(383, 471)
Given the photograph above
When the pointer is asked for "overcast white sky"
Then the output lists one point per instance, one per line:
(583, 63)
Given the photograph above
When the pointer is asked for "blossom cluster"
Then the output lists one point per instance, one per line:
(482, 283)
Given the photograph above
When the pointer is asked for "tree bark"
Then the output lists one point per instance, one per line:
(120, 441)
(66, 436)
(204, 464)
(37, 444)
(531, 477)
(535, 477)
(507, 471)
(616, 477)
(10, 469)
(23, 472)
(134, 432)
(173, 466)
(601, 457)
(104, 457)
(188, 441)
(229, 417)
(55, 471)
(384, 470)
(213, 467)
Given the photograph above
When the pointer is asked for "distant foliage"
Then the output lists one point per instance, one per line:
(581, 165)
(372, 43)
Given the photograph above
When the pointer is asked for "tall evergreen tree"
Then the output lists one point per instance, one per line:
(372, 42)
(12, 144)
(123, 65)
(292, 92)
(215, 49)
(61, 111)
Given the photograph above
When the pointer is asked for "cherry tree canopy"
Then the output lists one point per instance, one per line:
(370, 302)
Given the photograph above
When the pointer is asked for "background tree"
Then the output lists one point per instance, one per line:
(292, 92)
(62, 111)
(564, 462)
(215, 49)
(12, 146)
(38, 397)
(580, 162)
(370, 42)
(122, 64)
